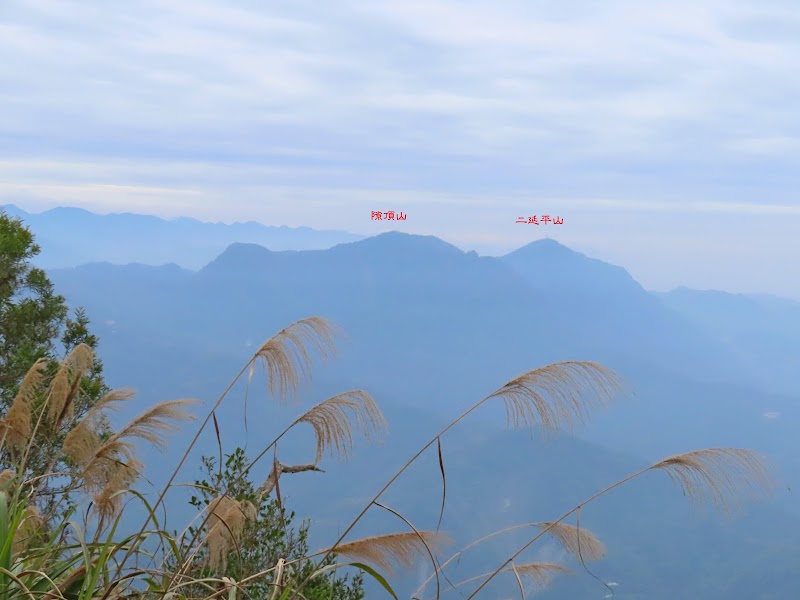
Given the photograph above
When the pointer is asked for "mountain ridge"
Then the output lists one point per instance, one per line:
(428, 326)
(392, 273)
(69, 236)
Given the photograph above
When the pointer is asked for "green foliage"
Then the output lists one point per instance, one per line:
(35, 323)
(32, 315)
(265, 539)
(57, 559)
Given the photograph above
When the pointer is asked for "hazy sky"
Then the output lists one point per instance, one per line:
(665, 134)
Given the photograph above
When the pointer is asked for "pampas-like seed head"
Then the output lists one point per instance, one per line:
(579, 542)
(60, 389)
(6, 477)
(16, 426)
(385, 550)
(80, 359)
(287, 355)
(153, 423)
(66, 383)
(114, 470)
(83, 440)
(116, 478)
(540, 572)
(31, 525)
(32, 382)
(150, 426)
(332, 426)
(721, 475)
(226, 520)
(561, 394)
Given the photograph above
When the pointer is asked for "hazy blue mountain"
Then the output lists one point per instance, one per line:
(450, 326)
(764, 329)
(552, 267)
(735, 313)
(655, 543)
(73, 236)
(423, 295)
(430, 330)
(616, 314)
(499, 479)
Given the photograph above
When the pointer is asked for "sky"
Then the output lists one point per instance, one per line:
(666, 135)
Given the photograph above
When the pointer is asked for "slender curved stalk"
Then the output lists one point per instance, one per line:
(192, 444)
(556, 522)
(467, 547)
(411, 461)
(274, 442)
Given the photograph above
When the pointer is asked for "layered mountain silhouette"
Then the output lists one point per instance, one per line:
(764, 329)
(430, 330)
(72, 236)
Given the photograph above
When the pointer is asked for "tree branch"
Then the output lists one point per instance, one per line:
(266, 488)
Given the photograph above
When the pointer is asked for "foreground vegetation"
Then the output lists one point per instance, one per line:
(70, 481)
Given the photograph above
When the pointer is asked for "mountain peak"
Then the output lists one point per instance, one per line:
(398, 244)
(545, 247)
(12, 209)
(67, 211)
(70, 236)
(240, 255)
(547, 263)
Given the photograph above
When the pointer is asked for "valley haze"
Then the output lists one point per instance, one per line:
(430, 327)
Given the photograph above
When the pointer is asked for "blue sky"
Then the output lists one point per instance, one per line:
(666, 134)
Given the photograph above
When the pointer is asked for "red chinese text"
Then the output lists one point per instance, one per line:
(540, 220)
(389, 215)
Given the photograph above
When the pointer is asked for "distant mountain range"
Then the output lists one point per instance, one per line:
(73, 236)
(429, 330)
(765, 330)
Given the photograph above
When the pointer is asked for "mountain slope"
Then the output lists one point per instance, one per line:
(73, 236)
(450, 326)
(765, 330)
(430, 330)
(618, 315)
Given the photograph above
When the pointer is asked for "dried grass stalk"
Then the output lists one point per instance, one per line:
(580, 543)
(16, 426)
(540, 572)
(83, 440)
(279, 469)
(226, 520)
(153, 424)
(33, 381)
(150, 426)
(31, 525)
(80, 359)
(558, 395)
(66, 384)
(384, 551)
(287, 355)
(721, 475)
(116, 478)
(331, 421)
(6, 477)
(57, 398)
(277, 582)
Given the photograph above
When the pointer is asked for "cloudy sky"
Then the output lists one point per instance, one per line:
(666, 134)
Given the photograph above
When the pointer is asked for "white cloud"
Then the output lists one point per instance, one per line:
(772, 145)
(597, 71)
(295, 111)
